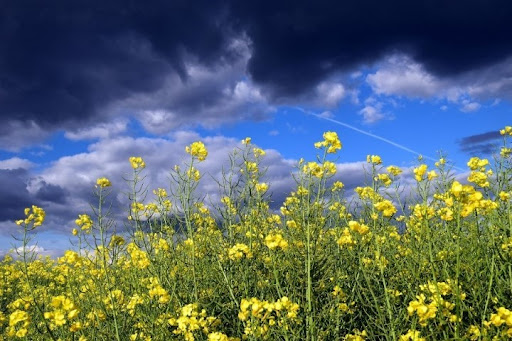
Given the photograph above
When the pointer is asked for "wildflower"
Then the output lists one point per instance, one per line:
(198, 150)
(35, 215)
(274, 241)
(193, 174)
(337, 186)
(420, 172)
(261, 187)
(431, 175)
(394, 170)
(373, 159)
(479, 179)
(386, 180)
(346, 239)
(441, 162)
(475, 163)
(386, 207)
(411, 335)
(18, 316)
(506, 131)
(359, 228)
(137, 162)
(238, 251)
(331, 142)
(247, 140)
(258, 152)
(504, 196)
(505, 152)
(217, 336)
(103, 182)
(160, 192)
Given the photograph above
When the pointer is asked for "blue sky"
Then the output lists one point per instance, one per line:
(83, 89)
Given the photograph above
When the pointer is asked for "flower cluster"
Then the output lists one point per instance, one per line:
(197, 150)
(33, 215)
(331, 142)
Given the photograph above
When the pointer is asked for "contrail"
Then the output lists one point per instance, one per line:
(372, 135)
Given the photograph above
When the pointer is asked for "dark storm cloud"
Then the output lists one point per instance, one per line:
(63, 63)
(297, 43)
(15, 195)
(480, 144)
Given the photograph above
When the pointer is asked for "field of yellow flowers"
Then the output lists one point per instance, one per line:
(377, 264)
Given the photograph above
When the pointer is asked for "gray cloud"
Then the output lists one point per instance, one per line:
(480, 144)
(173, 64)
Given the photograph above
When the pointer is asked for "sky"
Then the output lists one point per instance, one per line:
(84, 85)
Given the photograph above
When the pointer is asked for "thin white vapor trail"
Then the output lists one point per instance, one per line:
(372, 135)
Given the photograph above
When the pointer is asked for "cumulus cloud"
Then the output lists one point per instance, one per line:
(400, 75)
(102, 130)
(15, 163)
(330, 94)
(468, 106)
(372, 111)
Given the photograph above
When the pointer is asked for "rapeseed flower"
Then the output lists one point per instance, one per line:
(419, 172)
(197, 150)
(103, 182)
(331, 142)
(374, 159)
(35, 215)
(137, 162)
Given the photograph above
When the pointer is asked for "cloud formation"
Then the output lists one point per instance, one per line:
(172, 64)
(480, 144)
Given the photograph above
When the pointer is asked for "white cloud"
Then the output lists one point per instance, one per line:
(371, 114)
(102, 130)
(468, 106)
(329, 94)
(326, 114)
(15, 163)
(372, 111)
(401, 76)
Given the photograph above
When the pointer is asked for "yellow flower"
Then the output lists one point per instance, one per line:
(431, 175)
(137, 162)
(198, 150)
(258, 152)
(217, 336)
(261, 187)
(394, 170)
(18, 316)
(337, 186)
(84, 222)
(386, 180)
(193, 174)
(419, 172)
(274, 241)
(374, 159)
(331, 142)
(35, 215)
(247, 140)
(505, 152)
(103, 182)
(506, 131)
(441, 162)
(386, 207)
(475, 163)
